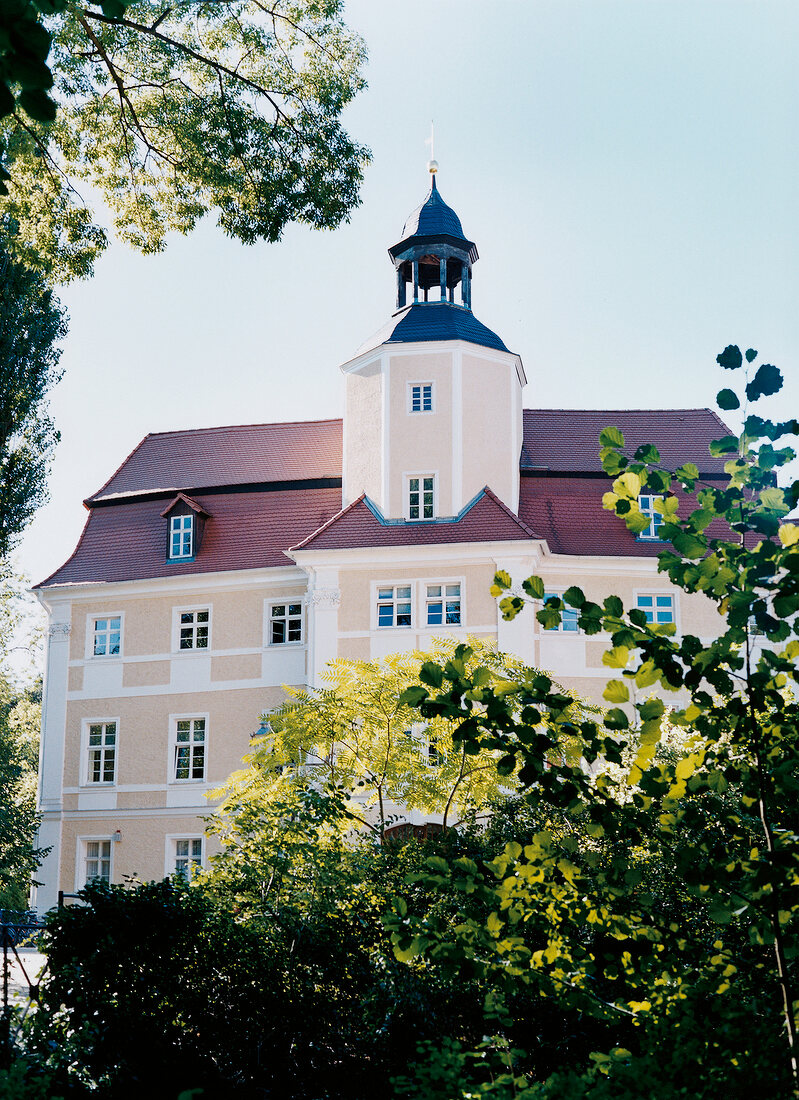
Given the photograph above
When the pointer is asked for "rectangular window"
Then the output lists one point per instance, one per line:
(568, 616)
(394, 605)
(189, 748)
(421, 497)
(188, 856)
(97, 860)
(421, 397)
(646, 503)
(181, 536)
(443, 605)
(194, 627)
(285, 623)
(102, 752)
(107, 636)
(658, 609)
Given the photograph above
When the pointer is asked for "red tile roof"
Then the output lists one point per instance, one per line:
(127, 541)
(251, 454)
(568, 439)
(485, 520)
(561, 494)
(568, 513)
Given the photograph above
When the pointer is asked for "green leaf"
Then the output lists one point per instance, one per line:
(751, 355)
(611, 437)
(502, 582)
(617, 657)
(730, 358)
(647, 453)
(432, 674)
(768, 380)
(534, 587)
(728, 444)
(690, 546)
(574, 597)
(37, 104)
(616, 692)
(412, 696)
(727, 399)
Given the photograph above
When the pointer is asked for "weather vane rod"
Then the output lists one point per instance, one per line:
(432, 164)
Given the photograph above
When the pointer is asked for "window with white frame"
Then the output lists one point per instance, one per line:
(434, 754)
(102, 748)
(285, 623)
(189, 749)
(443, 605)
(194, 627)
(96, 861)
(646, 503)
(187, 856)
(394, 605)
(421, 497)
(181, 537)
(107, 636)
(568, 616)
(657, 608)
(420, 397)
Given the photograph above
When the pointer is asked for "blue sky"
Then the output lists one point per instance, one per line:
(628, 169)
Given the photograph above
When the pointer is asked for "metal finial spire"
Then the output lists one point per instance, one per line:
(432, 164)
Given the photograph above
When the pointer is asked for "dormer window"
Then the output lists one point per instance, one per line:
(181, 537)
(186, 521)
(646, 503)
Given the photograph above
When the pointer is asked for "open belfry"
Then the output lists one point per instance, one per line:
(218, 564)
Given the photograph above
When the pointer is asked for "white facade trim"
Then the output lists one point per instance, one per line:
(422, 347)
(457, 431)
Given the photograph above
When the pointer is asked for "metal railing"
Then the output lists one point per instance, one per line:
(18, 929)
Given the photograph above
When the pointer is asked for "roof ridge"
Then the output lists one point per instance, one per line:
(328, 523)
(490, 493)
(690, 409)
(239, 427)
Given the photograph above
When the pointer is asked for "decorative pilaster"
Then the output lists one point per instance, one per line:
(323, 601)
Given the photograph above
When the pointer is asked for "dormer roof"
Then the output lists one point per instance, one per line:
(181, 498)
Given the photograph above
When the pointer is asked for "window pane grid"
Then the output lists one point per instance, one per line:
(285, 624)
(98, 860)
(422, 397)
(181, 529)
(420, 497)
(443, 604)
(107, 636)
(568, 616)
(190, 748)
(194, 627)
(646, 503)
(188, 855)
(657, 609)
(394, 605)
(102, 752)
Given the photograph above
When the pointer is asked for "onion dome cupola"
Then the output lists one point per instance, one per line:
(433, 257)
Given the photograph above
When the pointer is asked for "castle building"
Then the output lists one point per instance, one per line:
(218, 564)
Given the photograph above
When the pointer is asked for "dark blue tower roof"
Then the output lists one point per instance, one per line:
(433, 218)
(433, 321)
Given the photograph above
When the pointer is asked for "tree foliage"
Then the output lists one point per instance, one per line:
(171, 110)
(705, 1004)
(31, 325)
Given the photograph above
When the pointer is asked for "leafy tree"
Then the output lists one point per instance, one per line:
(707, 1004)
(31, 326)
(171, 110)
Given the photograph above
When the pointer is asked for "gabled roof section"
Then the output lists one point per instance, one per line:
(125, 541)
(566, 441)
(433, 321)
(181, 498)
(361, 524)
(251, 454)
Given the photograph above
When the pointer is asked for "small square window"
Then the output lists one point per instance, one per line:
(189, 759)
(658, 609)
(568, 616)
(193, 629)
(443, 605)
(646, 503)
(421, 497)
(285, 623)
(107, 637)
(96, 861)
(394, 605)
(181, 537)
(421, 397)
(102, 747)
